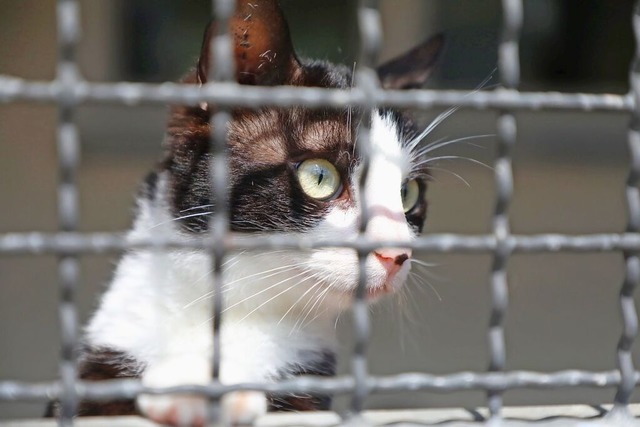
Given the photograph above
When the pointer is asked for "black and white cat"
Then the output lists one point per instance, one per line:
(292, 170)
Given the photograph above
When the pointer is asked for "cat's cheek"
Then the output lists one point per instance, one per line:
(337, 266)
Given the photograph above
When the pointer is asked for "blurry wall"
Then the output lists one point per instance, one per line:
(569, 176)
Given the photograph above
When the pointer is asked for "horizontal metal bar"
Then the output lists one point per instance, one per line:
(98, 243)
(230, 94)
(514, 416)
(495, 381)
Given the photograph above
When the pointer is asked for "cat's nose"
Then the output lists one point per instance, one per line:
(392, 259)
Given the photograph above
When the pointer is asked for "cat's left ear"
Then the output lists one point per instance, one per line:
(262, 46)
(412, 69)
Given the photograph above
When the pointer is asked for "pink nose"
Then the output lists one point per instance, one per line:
(392, 259)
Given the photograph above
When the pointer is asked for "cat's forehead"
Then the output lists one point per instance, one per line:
(280, 135)
(321, 131)
(276, 136)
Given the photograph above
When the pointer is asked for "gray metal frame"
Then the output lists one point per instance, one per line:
(69, 90)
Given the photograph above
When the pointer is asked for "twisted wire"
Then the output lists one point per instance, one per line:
(509, 69)
(370, 30)
(68, 14)
(632, 260)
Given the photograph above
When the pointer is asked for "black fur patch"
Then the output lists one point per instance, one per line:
(98, 364)
(324, 365)
(148, 187)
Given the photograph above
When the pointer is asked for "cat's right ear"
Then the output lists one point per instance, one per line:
(412, 69)
(262, 46)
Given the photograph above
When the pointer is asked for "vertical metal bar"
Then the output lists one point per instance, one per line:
(509, 68)
(221, 69)
(632, 260)
(366, 78)
(68, 21)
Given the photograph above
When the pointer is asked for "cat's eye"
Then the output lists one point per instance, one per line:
(410, 194)
(319, 179)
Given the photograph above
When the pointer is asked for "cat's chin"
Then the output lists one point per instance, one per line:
(341, 299)
(374, 294)
(386, 289)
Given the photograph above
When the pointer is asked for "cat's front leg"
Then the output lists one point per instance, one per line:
(238, 408)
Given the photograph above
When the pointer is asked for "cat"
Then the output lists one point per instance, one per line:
(292, 170)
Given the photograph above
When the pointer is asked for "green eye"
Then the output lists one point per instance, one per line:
(319, 179)
(410, 194)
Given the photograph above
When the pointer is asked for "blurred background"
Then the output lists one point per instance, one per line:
(569, 171)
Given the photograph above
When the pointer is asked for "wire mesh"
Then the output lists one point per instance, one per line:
(68, 91)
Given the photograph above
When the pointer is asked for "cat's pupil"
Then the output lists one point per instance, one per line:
(320, 176)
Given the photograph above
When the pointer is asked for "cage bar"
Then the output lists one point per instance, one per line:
(14, 89)
(370, 30)
(340, 385)
(509, 69)
(68, 20)
(221, 69)
(38, 243)
(632, 260)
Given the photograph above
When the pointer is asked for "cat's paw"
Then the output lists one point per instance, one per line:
(241, 408)
(176, 410)
(173, 410)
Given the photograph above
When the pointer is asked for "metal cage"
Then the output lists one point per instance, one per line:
(69, 90)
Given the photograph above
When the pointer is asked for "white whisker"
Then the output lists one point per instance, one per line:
(452, 173)
(319, 313)
(318, 291)
(265, 290)
(430, 274)
(424, 281)
(437, 121)
(272, 298)
(468, 159)
(179, 218)
(262, 274)
(444, 115)
(197, 207)
(422, 263)
(297, 301)
(318, 299)
(439, 144)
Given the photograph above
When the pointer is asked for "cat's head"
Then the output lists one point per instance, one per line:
(296, 170)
